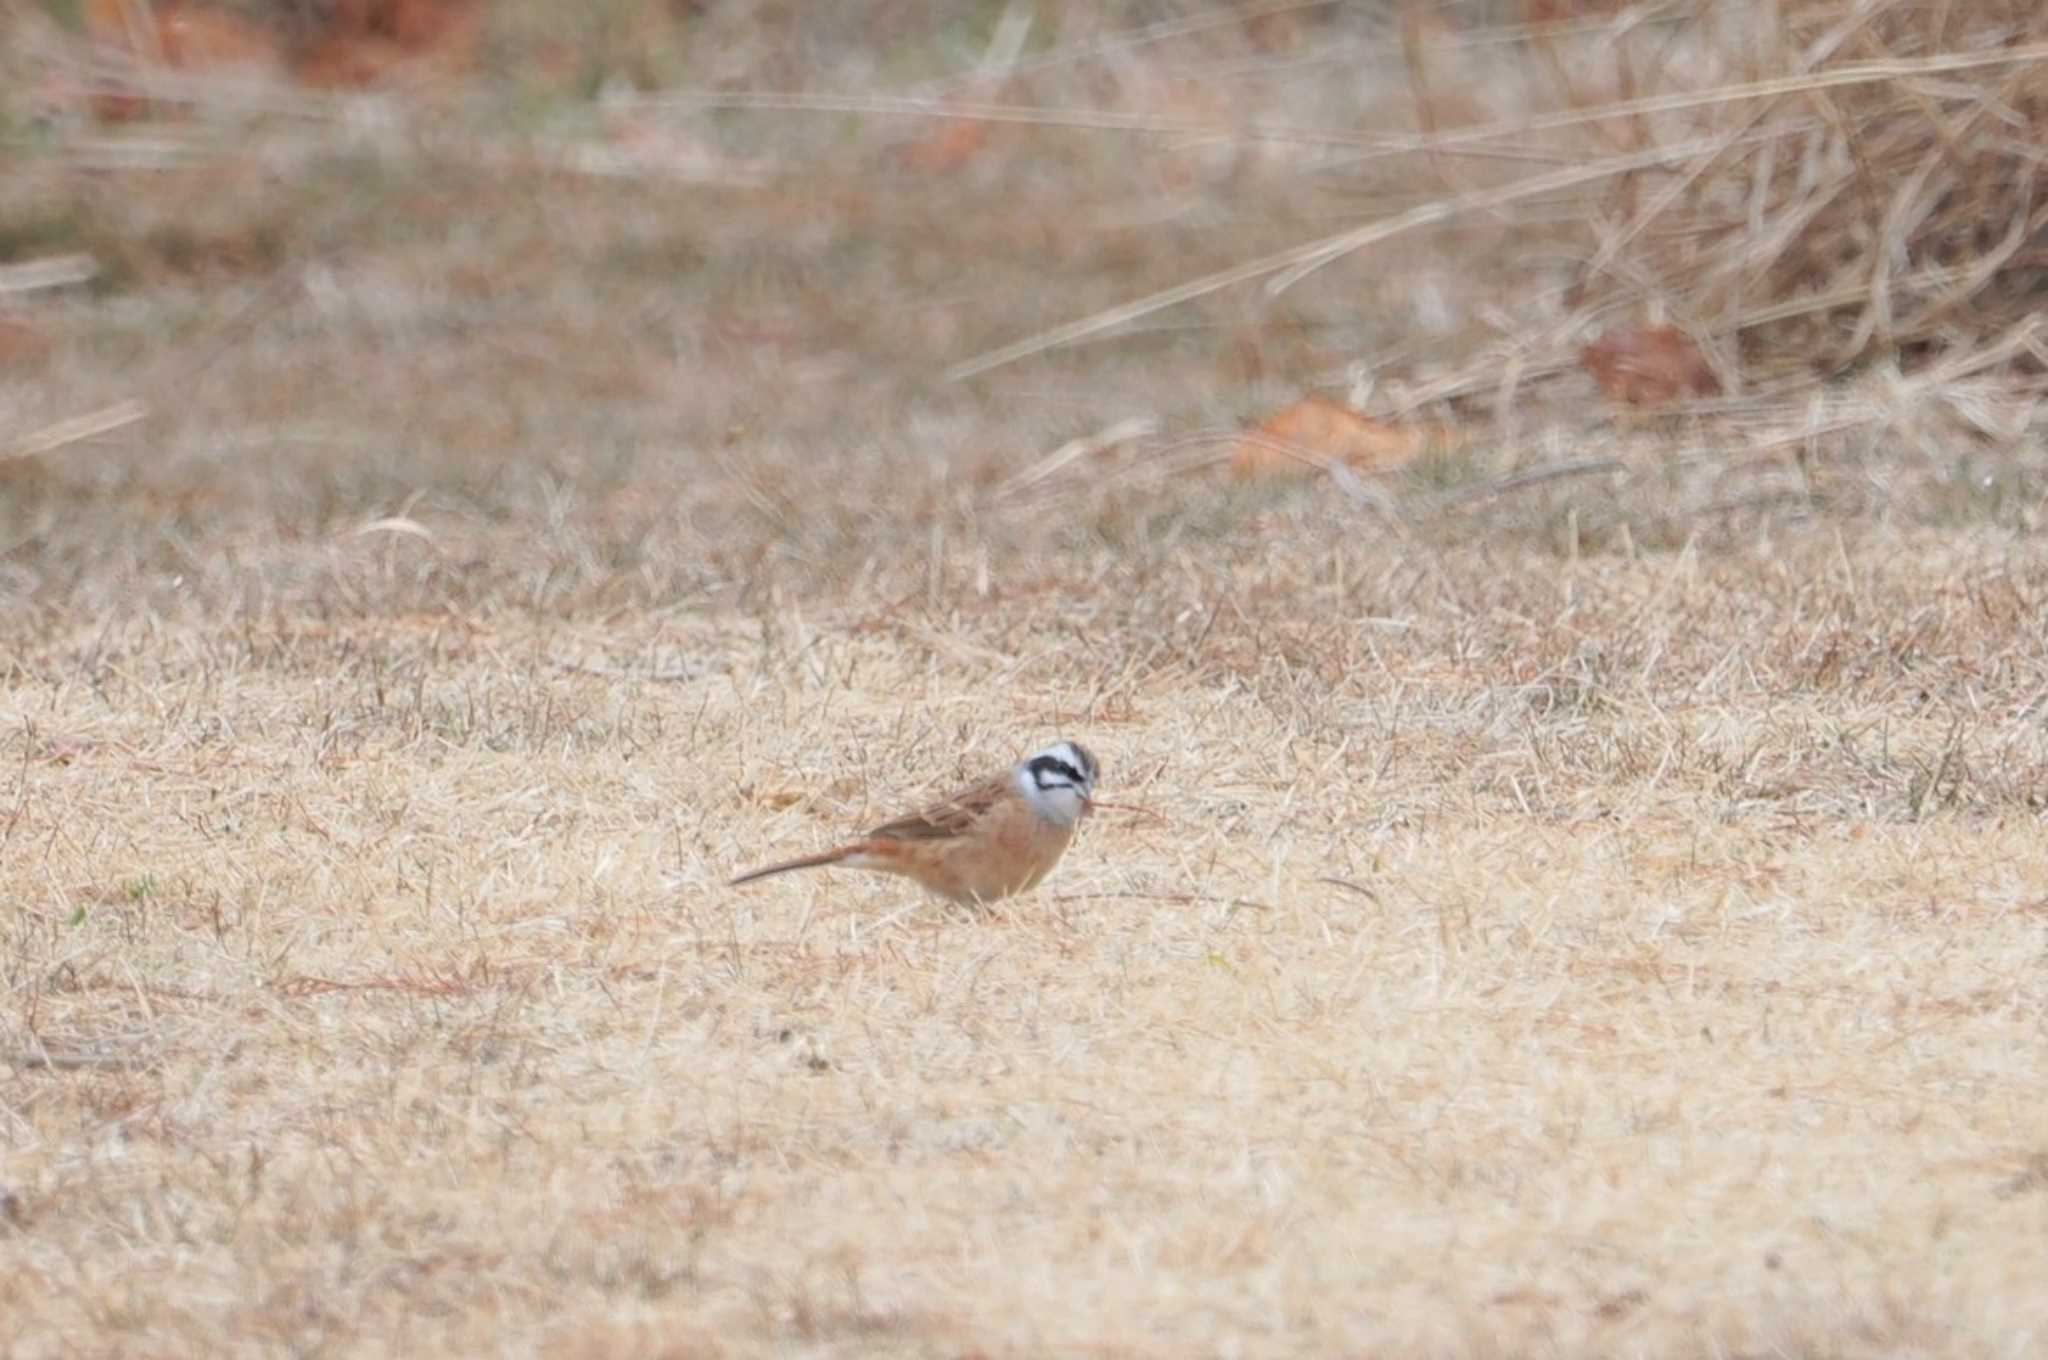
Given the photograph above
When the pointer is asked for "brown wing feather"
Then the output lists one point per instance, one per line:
(946, 819)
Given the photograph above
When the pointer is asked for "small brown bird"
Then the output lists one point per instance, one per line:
(992, 839)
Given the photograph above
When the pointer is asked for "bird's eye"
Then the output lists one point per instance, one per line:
(1053, 765)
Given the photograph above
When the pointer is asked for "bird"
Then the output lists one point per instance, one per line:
(990, 840)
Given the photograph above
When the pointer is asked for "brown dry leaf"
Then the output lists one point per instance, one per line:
(21, 343)
(945, 148)
(415, 25)
(1297, 439)
(344, 62)
(195, 37)
(182, 35)
(189, 37)
(1649, 366)
(376, 42)
(120, 23)
(433, 25)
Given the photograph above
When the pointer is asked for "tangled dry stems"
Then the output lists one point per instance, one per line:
(1869, 192)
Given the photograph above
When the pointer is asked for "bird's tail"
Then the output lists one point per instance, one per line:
(823, 857)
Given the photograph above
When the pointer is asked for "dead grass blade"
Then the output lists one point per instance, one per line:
(55, 436)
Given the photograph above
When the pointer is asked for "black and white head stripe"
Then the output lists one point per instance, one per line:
(1063, 766)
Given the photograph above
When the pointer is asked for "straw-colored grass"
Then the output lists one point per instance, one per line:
(1632, 956)
(1582, 895)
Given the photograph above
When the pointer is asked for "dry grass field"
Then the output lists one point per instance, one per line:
(1584, 895)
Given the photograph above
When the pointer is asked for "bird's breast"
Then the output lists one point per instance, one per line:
(1009, 851)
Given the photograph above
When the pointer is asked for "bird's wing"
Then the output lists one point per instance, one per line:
(947, 819)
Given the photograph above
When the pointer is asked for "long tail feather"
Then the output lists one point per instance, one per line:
(832, 856)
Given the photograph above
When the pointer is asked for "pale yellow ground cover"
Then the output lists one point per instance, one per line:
(1509, 956)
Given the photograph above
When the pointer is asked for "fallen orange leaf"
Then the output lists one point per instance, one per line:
(381, 42)
(946, 148)
(1314, 432)
(21, 343)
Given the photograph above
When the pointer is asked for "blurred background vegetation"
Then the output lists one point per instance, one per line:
(641, 299)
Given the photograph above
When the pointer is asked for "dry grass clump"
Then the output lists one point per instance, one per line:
(1869, 188)
(1802, 187)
